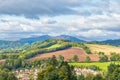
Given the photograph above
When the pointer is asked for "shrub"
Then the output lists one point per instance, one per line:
(75, 58)
(87, 59)
(103, 58)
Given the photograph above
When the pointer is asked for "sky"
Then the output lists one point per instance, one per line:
(92, 19)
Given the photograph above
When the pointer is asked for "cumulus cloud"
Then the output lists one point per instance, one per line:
(96, 27)
(94, 19)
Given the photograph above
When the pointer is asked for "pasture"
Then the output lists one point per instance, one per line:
(102, 65)
(54, 46)
(107, 49)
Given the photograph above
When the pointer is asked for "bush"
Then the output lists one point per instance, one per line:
(113, 72)
(98, 77)
(103, 58)
(75, 58)
(6, 75)
(87, 59)
(94, 67)
(80, 77)
(64, 72)
(115, 57)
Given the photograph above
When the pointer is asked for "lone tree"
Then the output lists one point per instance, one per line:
(115, 57)
(75, 58)
(61, 58)
(103, 58)
(87, 59)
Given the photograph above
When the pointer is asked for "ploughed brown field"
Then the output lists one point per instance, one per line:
(68, 54)
(2, 61)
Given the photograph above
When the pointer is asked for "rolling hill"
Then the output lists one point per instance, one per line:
(51, 45)
(66, 48)
(68, 54)
(107, 49)
(25, 42)
(78, 50)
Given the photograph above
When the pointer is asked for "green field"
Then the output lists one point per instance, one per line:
(102, 65)
(54, 46)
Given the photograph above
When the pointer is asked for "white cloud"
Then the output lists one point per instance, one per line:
(94, 19)
(96, 26)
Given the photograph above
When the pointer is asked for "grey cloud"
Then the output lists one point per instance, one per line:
(33, 8)
(99, 19)
(36, 8)
(113, 28)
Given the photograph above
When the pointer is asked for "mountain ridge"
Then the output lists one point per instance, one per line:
(115, 42)
(46, 37)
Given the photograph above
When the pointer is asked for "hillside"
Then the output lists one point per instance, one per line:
(28, 43)
(68, 49)
(68, 54)
(51, 45)
(107, 49)
(47, 48)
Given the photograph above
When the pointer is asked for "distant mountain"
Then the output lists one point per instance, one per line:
(70, 38)
(84, 38)
(112, 42)
(46, 37)
(34, 39)
(13, 44)
(9, 44)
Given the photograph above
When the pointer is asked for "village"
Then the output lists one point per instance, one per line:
(31, 74)
(26, 74)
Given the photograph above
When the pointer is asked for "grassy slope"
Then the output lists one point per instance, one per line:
(103, 66)
(107, 49)
(54, 46)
